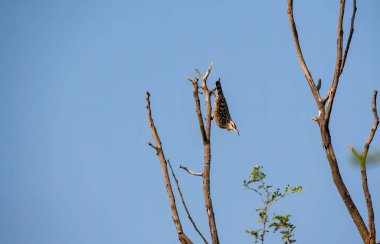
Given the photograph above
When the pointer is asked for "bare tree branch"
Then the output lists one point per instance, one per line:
(160, 153)
(350, 36)
(184, 204)
(198, 109)
(189, 171)
(204, 78)
(324, 115)
(206, 132)
(363, 170)
(371, 215)
(338, 62)
(301, 59)
(375, 124)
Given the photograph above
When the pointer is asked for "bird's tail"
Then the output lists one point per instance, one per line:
(218, 86)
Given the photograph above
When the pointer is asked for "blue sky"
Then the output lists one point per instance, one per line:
(74, 164)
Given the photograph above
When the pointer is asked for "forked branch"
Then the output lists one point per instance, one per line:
(363, 170)
(206, 135)
(339, 60)
(324, 113)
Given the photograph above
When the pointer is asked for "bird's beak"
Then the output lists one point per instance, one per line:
(237, 131)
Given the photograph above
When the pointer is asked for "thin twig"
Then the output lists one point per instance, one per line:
(368, 199)
(153, 146)
(208, 71)
(199, 74)
(301, 59)
(363, 166)
(160, 153)
(350, 35)
(338, 62)
(375, 124)
(189, 171)
(184, 204)
(198, 108)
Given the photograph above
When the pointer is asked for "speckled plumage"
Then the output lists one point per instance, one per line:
(221, 114)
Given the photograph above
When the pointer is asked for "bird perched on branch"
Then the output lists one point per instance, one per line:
(222, 115)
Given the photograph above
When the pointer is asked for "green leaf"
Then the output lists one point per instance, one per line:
(279, 223)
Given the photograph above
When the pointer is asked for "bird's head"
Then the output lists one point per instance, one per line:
(232, 126)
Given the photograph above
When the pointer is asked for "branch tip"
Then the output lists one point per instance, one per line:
(189, 79)
(204, 78)
(189, 171)
(350, 35)
(153, 146)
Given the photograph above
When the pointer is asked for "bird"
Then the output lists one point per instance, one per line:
(221, 114)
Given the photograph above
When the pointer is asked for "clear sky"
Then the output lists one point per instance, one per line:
(74, 164)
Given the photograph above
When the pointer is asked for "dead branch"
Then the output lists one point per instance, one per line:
(153, 146)
(204, 78)
(206, 132)
(189, 171)
(363, 167)
(301, 59)
(160, 153)
(324, 114)
(198, 109)
(350, 36)
(375, 124)
(184, 204)
(338, 62)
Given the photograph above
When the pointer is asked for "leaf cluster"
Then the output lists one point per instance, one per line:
(279, 223)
